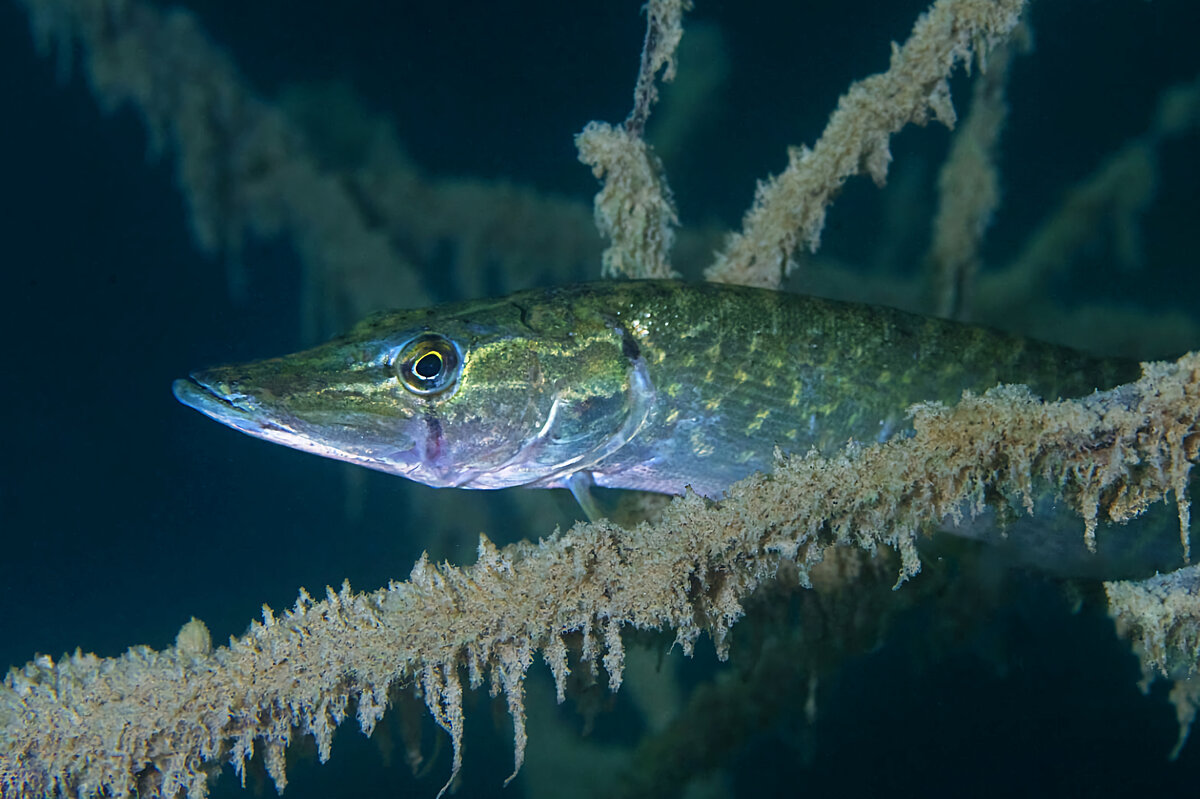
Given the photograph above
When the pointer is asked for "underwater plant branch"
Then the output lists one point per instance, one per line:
(364, 220)
(969, 185)
(634, 208)
(245, 169)
(160, 723)
(1104, 209)
(664, 29)
(1160, 617)
(789, 208)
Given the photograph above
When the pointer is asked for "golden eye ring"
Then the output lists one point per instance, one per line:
(428, 364)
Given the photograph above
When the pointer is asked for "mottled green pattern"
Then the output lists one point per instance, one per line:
(651, 385)
(739, 371)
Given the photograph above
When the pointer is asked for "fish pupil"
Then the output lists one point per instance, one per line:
(428, 366)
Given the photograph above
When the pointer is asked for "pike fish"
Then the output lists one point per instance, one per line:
(650, 385)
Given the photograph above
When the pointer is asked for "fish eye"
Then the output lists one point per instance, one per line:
(428, 364)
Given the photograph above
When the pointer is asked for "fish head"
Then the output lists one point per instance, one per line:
(479, 395)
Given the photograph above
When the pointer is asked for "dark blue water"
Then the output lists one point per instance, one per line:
(123, 514)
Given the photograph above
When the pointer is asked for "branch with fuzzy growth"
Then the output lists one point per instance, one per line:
(634, 209)
(789, 209)
(161, 722)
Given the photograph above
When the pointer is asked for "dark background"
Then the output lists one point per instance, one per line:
(122, 513)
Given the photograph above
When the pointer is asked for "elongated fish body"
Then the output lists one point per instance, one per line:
(652, 385)
(656, 385)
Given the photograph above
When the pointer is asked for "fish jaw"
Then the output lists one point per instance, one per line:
(393, 451)
(239, 411)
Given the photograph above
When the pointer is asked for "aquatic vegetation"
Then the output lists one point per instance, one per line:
(162, 722)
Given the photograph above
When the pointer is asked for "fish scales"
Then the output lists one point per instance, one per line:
(741, 371)
(652, 385)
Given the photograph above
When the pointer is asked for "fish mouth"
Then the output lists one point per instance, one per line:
(245, 413)
(237, 410)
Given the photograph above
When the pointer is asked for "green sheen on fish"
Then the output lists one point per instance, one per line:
(661, 385)
(651, 385)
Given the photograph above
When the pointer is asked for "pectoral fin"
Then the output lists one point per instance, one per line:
(580, 485)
